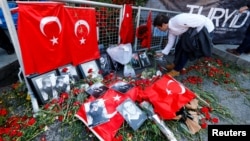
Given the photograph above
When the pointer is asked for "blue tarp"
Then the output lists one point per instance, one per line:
(14, 16)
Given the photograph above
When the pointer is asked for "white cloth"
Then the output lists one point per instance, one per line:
(121, 53)
(180, 23)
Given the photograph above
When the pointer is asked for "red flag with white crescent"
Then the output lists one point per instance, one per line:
(108, 130)
(81, 34)
(168, 96)
(40, 33)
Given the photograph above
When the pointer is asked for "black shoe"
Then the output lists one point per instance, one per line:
(233, 51)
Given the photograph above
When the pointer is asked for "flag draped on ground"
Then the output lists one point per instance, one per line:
(168, 96)
(108, 130)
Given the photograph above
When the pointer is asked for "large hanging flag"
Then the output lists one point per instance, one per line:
(168, 96)
(127, 26)
(112, 99)
(40, 33)
(81, 34)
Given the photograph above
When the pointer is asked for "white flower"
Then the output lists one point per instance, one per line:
(158, 73)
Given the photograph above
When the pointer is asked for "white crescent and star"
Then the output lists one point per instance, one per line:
(45, 21)
(77, 24)
(183, 90)
(54, 40)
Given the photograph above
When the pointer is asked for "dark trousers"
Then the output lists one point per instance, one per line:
(245, 45)
(5, 42)
(183, 56)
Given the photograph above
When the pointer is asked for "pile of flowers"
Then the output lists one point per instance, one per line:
(24, 126)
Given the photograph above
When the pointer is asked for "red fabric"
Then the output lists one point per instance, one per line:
(168, 96)
(81, 34)
(108, 130)
(127, 26)
(38, 24)
(144, 32)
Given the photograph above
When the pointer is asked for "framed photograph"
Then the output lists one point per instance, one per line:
(144, 59)
(122, 87)
(101, 48)
(135, 61)
(116, 65)
(44, 86)
(90, 69)
(134, 116)
(71, 71)
(97, 89)
(62, 84)
(105, 64)
(96, 113)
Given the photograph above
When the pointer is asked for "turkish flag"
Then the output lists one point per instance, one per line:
(81, 34)
(127, 26)
(168, 96)
(40, 33)
(108, 130)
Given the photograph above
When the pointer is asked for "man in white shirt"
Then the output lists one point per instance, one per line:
(176, 26)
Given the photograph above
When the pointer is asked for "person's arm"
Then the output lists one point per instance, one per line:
(170, 44)
(244, 8)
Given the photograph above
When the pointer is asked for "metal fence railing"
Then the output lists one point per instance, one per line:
(109, 18)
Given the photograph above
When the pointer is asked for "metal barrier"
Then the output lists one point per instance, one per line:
(109, 18)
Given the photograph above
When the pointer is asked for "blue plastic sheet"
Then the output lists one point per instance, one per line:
(3, 23)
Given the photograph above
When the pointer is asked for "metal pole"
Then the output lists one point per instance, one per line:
(13, 34)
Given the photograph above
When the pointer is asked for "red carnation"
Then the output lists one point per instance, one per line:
(64, 96)
(204, 125)
(3, 112)
(31, 121)
(215, 120)
(65, 70)
(90, 70)
(204, 109)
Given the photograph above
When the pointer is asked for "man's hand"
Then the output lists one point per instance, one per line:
(159, 54)
(242, 9)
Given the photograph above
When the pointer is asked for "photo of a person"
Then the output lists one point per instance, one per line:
(62, 84)
(46, 88)
(97, 113)
(105, 64)
(122, 87)
(134, 116)
(135, 61)
(144, 59)
(97, 89)
(90, 69)
(71, 71)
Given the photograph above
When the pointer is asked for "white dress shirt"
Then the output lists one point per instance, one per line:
(180, 23)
